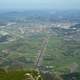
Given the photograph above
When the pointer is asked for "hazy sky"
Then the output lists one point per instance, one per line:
(39, 4)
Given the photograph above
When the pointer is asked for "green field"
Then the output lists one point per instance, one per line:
(62, 56)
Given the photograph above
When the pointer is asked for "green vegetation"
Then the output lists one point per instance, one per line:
(20, 75)
(62, 56)
(22, 52)
(22, 43)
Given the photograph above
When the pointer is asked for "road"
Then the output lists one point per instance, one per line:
(41, 52)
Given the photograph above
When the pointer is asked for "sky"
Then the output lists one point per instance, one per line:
(40, 4)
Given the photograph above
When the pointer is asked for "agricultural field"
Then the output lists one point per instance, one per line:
(48, 44)
(19, 50)
(25, 47)
(62, 56)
